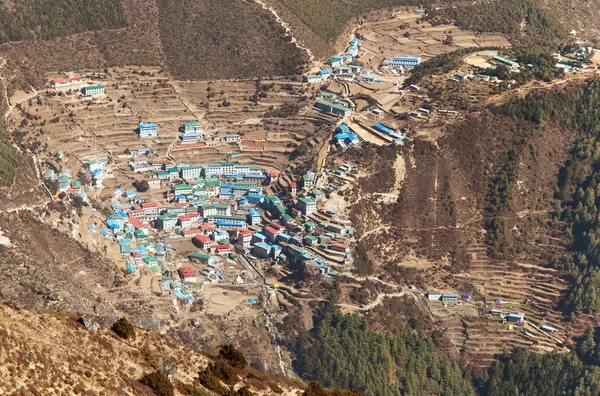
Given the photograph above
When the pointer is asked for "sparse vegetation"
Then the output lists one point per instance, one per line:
(233, 356)
(124, 329)
(159, 383)
(141, 185)
(8, 157)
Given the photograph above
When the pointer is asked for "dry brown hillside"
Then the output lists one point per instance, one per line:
(48, 353)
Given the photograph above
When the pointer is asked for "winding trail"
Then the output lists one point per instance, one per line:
(288, 30)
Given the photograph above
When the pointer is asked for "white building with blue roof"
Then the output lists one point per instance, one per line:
(147, 129)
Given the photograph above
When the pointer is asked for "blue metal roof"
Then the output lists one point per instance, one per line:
(113, 224)
(382, 128)
(343, 128)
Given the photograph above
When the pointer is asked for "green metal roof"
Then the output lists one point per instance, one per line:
(307, 201)
(199, 255)
(504, 60)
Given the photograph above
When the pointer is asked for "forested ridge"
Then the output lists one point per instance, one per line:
(577, 191)
(48, 19)
(341, 351)
(524, 21)
(526, 373)
(328, 18)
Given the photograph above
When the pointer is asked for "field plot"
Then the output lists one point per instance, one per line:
(402, 35)
(480, 59)
(268, 120)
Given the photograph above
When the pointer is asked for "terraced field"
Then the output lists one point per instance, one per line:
(522, 287)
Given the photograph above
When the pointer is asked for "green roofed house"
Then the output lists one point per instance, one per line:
(317, 194)
(92, 90)
(280, 210)
(76, 185)
(191, 127)
(338, 108)
(310, 240)
(326, 95)
(506, 62)
(50, 175)
(156, 270)
(313, 78)
(149, 260)
(166, 222)
(307, 205)
(183, 189)
(203, 258)
(308, 180)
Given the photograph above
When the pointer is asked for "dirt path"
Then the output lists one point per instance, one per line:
(366, 234)
(373, 304)
(284, 24)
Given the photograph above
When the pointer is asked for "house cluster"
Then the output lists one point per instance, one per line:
(221, 208)
(447, 299)
(336, 107)
(401, 62)
(90, 176)
(344, 137)
(66, 82)
(75, 82)
(343, 66)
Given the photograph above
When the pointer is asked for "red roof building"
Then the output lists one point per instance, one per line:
(208, 228)
(136, 223)
(66, 81)
(191, 233)
(190, 216)
(187, 274)
(277, 226)
(202, 241)
(221, 248)
(137, 213)
(340, 247)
